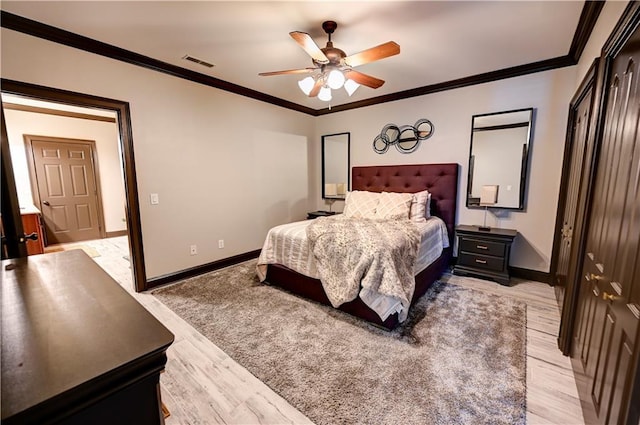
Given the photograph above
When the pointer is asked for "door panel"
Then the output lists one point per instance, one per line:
(577, 179)
(605, 341)
(67, 187)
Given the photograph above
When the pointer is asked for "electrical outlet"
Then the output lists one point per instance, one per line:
(193, 249)
(221, 243)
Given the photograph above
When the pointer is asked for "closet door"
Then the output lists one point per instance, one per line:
(606, 339)
(572, 201)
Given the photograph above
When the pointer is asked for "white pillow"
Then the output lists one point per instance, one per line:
(420, 207)
(361, 204)
(394, 205)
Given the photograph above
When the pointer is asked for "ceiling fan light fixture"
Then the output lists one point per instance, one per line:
(306, 84)
(351, 86)
(335, 80)
(325, 94)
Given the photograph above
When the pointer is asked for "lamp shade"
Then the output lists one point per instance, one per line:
(306, 84)
(330, 189)
(489, 195)
(335, 79)
(351, 86)
(325, 94)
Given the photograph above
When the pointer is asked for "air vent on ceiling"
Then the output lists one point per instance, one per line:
(198, 61)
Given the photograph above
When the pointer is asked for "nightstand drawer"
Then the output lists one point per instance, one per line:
(483, 262)
(482, 247)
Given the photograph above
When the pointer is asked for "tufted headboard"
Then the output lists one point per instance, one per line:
(439, 179)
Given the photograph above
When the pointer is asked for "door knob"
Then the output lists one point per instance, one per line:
(46, 203)
(594, 276)
(32, 236)
(609, 297)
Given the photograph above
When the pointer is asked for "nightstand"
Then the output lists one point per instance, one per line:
(316, 214)
(484, 254)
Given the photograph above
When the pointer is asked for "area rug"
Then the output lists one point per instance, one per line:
(460, 358)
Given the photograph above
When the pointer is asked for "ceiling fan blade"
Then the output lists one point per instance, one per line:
(382, 51)
(289, 71)
(364, 79)
(306, 42)
(316, 88)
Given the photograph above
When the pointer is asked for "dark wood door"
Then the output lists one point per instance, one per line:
(66, 183)
(572, 205)
(576, 160)
(11, 231)
(606, 344)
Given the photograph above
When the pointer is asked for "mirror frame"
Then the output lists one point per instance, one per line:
(324, 160)
(524, 160)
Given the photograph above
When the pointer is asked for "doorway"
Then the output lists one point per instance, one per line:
(66, 187)
(121, 109)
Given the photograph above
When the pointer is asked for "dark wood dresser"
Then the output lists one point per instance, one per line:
(76, 347)
(484, 253)
(32, 223)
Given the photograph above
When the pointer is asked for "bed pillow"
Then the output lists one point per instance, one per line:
(361, 204)
(394, 205)
(420, 207)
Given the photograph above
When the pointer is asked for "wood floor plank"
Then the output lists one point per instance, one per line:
(203, 385)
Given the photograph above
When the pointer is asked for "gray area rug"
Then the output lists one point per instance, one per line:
(459, 359)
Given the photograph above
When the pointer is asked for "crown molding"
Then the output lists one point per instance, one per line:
(57, 35)
(588, 18)
(487, 77)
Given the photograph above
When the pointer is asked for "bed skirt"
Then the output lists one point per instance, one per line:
(310, 288)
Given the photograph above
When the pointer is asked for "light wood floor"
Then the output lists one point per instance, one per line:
(202, 385)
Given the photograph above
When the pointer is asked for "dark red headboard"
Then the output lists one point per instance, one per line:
(439, 179)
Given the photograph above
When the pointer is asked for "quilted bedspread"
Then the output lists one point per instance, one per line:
(371, 258)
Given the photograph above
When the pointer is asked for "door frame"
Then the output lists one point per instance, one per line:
(11, 229)
(122, 110)
(28, 142)
(572, 286)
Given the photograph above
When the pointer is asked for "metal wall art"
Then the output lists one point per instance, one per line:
(406, 138)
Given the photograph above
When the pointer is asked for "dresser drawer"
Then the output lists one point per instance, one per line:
(484, 247)
(483, 262)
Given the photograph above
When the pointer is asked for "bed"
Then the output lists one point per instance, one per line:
(441, 180)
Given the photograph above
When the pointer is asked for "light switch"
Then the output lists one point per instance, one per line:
(155, 200)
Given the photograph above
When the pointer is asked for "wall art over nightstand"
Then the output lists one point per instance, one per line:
(406, 138)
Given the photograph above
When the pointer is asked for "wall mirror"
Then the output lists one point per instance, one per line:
(335, 165)
(498, 158)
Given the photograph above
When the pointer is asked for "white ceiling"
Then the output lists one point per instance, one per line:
(439, 40)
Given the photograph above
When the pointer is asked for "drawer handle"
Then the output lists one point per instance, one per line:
(481, 247)
(481, 261)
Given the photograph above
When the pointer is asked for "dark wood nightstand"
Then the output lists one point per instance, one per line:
(484, 253)
(316, 214)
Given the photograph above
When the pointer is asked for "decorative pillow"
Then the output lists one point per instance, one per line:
(361, 204)
(394, 205)
(420, 207)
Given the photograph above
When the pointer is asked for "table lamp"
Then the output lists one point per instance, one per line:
(488, 197)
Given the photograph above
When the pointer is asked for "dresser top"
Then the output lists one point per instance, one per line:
(65, 324)
(493, 231)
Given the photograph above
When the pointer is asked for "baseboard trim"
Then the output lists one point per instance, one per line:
(117, 233)
(201, 269)
(528, 274)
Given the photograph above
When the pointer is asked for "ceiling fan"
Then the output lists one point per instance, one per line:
(334, 65)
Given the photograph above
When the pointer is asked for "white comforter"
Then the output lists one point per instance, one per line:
(287, 244)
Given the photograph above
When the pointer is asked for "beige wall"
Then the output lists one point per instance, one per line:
(450, 112)
(224, 166)
(105, 135)
(228, 167)
(549, 92)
